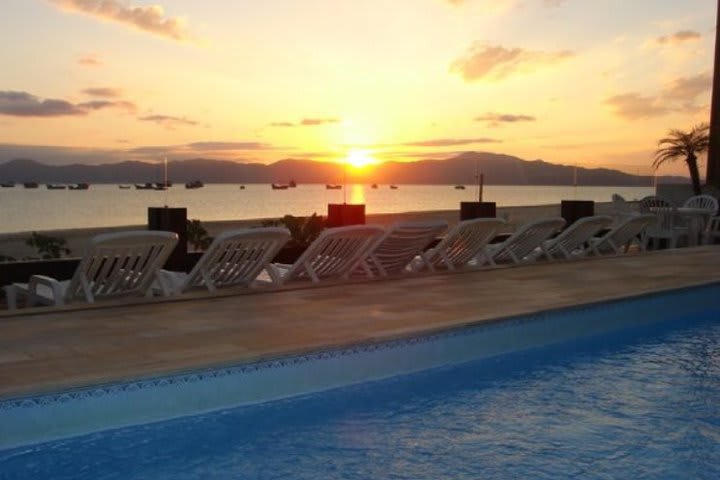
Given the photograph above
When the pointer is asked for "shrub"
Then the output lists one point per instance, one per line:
(48, 246)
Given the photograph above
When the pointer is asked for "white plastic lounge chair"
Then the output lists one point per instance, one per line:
(573, 240)
(400, 244)
(620, 238)
(460, 246)
(115, 264)
(523, 242)
(234, 258)
(333, 255)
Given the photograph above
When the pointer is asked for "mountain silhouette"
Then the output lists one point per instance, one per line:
(497, 169)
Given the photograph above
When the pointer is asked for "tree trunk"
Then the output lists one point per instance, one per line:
(694, 173)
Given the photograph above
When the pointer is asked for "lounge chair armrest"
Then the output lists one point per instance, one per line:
(51, 283)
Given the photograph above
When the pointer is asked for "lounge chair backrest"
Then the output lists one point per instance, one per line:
(334, 253)
(463, 243)
(400, 244)
(236, 257)
(118, 264)
(647, 204)
(577, 234)
(625, 233)
(705, 202)
(529, 237)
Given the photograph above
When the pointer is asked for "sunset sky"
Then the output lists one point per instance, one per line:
(586, 82)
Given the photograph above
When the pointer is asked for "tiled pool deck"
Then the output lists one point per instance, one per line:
(44, 350)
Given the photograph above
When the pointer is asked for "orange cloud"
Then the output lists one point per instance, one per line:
(495, 119)
(108, 92)
(149, 18)
(683, 36)
(168, 120)
(495, 62)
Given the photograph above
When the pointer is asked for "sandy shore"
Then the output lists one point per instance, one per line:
(13, 244)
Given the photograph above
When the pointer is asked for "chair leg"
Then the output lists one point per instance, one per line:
(11, 296)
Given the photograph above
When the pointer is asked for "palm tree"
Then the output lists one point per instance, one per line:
(685, 145)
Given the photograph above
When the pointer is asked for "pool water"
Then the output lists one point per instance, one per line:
(644, 403)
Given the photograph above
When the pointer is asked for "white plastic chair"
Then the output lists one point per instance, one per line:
(334, 254)
(400, 244)
(234, 258)
(115, 264)
(667, 225)
(703, 202)
(573, 240)
(518, 247)
(621, 238)
(460, 246)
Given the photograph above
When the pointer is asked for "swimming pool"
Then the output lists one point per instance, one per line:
(640, 403)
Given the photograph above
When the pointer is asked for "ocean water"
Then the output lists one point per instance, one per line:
(107, 206)
(642, 404)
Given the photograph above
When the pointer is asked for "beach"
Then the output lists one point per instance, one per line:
(13, 244)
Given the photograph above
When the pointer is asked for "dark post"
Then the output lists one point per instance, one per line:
(171, 220)
(713, 155)
(572, 210)
(343, 214)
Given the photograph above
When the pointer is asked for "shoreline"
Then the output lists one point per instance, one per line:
(13, 244)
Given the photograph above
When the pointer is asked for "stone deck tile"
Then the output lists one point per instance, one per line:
(45, 349)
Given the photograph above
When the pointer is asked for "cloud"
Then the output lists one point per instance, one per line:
(150, 18)
(307, 122)
(106, 92)
(680, 95)
(23, 104)
(100, 104)
(495, 62)
(687, 89)
(89, 61)
(677, 38)
(495, 119)
(448, 142)
(229, 146)
(633, 106)
(318, 121)
(504, 5)
(168, 120)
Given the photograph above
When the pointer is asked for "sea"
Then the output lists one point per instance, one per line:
(105, 205)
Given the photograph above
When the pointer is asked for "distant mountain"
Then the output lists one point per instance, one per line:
(497, 169)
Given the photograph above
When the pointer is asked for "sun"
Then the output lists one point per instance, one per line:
(359, 158)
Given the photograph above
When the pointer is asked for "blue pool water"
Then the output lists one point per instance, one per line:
(644, 403)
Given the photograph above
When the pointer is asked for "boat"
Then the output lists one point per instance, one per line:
(292, 183)
(123, 187)
(333, 187)
(79, 186)
(7, 184)
(55, 186)
(30, 185)
(144, 186)
(374, 185)
(194, 184)
(242, 187)
(459, 187)
(393, 187)
(163, 185)
(279, 186)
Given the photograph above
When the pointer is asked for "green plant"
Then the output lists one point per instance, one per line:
(197, 236)
(48, 246)
(686, 146)
(303, 230)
